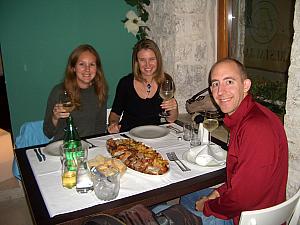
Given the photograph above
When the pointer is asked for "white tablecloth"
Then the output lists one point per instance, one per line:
(59, 200)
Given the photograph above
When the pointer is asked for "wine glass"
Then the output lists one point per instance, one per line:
(166, 92)
(66, 102)
(210, 123)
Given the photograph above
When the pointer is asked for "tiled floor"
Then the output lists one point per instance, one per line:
(13, 206)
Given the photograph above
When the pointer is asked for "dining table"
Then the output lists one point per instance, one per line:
(50, 203)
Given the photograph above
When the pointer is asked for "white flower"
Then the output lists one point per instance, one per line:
(133, 23)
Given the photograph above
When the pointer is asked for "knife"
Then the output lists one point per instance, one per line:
(125, 135)
(42, 154)
(92, 145)
(38, 155)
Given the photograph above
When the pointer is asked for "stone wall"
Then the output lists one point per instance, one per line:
(186, 34)
(292, 117)
(185, 31)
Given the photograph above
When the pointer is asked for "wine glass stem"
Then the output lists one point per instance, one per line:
(209, 138)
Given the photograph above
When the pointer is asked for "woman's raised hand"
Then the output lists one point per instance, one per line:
(58, 113)
(113, 128)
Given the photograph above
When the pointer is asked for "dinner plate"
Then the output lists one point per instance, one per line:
(149, 132)
(218, 158)
(52, 149)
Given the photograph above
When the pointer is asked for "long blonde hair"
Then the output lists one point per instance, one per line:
(99, 82)
(159, 74)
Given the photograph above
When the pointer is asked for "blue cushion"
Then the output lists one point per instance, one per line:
(31, 133)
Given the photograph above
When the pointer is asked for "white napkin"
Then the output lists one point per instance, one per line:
(204, 134)
(213, 155)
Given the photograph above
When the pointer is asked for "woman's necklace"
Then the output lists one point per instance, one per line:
(148, 88)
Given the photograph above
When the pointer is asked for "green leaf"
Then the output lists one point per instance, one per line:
(144, 16)
(132, 2)
(147, 2)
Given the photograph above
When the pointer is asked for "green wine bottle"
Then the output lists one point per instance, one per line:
(72, 143)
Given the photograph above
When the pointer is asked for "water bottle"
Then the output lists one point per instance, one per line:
(84, 183)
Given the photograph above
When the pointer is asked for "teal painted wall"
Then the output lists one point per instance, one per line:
(37, 37)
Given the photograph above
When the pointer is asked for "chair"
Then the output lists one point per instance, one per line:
(288, 211)
(31, 133)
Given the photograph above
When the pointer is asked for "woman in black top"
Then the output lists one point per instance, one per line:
(137, 94)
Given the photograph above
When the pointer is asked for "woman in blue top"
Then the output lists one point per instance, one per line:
(137, 95)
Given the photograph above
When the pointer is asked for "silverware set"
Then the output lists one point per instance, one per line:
(177, 131)
(40, 155)
(173, 157)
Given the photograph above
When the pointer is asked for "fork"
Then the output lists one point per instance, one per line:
(173, 157)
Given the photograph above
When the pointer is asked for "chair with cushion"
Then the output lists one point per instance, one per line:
(31, 133)
(288, 211)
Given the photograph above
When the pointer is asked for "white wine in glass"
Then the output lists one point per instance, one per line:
(166, 92)
(68, 106)
(166, 95)
(210, 123)
(65, 100)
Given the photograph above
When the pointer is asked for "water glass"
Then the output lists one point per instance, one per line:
(195, 135)
(106, 184)
(187, 131)
(70, 158)
(69, 173)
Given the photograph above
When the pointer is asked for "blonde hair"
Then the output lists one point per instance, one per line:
(159, 74)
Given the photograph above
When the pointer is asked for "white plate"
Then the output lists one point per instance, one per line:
(52, 149)
(149, 132)
(219, 154)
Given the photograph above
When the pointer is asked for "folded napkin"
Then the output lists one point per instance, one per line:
(208, 155)
(204, 134)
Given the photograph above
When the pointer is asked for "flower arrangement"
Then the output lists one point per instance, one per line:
(135, 23)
